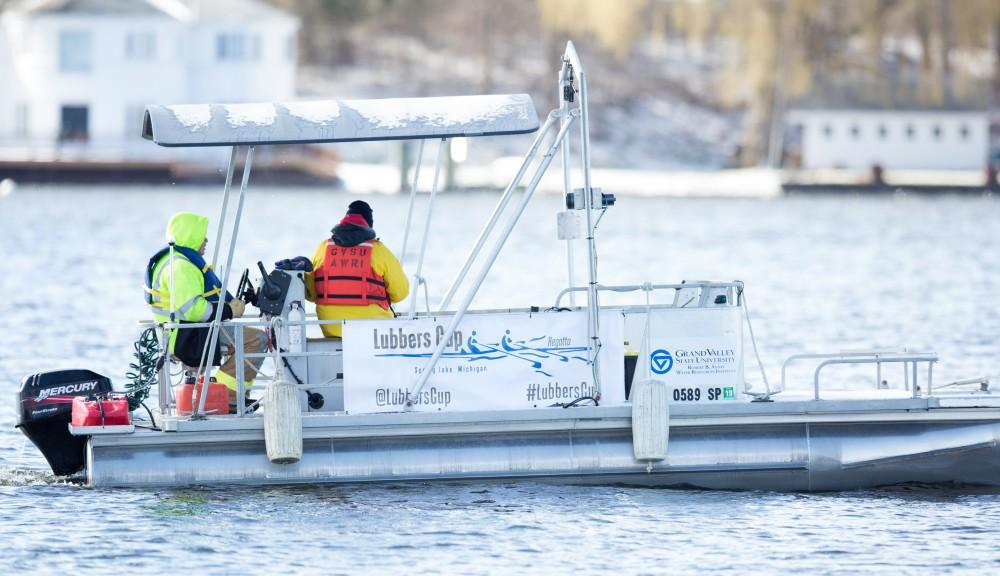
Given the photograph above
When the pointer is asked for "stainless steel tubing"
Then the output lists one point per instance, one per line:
(593, 306)
(163, 392)
(413, 196)
(225, 204)
(904, 360)
(635, 287)
(331, 354)
(467, 300)
(417, 278)
(216, 324)
(258, 324)
(495, 216)
(872, 356)
(564, 108)
(240, 371)
(593, 322)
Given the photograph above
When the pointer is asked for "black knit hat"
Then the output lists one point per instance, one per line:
(361, 207)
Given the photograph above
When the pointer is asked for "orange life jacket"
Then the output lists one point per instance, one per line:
(346, 277)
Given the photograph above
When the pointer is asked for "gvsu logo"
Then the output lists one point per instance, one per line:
(660, 361)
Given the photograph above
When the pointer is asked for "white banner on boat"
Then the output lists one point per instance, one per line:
(698, 352)
(491, 362)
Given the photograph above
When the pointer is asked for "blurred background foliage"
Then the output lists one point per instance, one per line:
(751, 57)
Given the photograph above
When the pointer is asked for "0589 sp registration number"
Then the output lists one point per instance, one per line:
(696, 394)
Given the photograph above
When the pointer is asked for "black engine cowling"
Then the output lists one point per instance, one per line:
(45, 408)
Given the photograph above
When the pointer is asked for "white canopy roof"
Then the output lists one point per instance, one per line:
(339, 120)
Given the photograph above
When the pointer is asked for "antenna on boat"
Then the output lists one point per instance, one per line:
(572, 66)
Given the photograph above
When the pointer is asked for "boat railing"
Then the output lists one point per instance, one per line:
(702, 287)
(910, 361)
(167, 401)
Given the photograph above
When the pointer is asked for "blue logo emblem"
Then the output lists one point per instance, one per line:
(661, 361)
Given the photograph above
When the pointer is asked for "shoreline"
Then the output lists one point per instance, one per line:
(361, 178)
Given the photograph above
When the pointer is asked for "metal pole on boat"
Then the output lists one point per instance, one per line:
(225, 204)
(593, 306)
(164, 390)
(564, 108)
(508, 228)
(417, 278)
(230, 170)
(501, 206)
(240, 371)
(413, 197)
(217, 322)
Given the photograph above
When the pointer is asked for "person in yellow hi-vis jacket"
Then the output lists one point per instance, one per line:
(354, 275)
(182, 287)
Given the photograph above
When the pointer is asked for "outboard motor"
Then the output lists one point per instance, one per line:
(46, 409)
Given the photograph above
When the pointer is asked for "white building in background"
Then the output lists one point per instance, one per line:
(77, 74)
(893, 139)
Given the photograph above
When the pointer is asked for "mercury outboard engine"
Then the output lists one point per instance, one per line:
(45, 409)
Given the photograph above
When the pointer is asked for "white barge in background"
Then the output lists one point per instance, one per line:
(455, 394)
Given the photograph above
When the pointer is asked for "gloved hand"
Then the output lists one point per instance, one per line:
(297, 263)
(238, 307)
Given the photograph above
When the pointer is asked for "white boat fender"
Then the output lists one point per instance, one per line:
(282, 422)
(650, 407)
(7, 187)
(650, 420)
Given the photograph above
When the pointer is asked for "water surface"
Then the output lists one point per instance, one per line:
(822, 274)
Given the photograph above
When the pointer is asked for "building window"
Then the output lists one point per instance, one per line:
(230, 47)
(855, 131)
(74, 126)
(828, 131)
(936, 131)
(74, 51)
(237, 47)
(21, 120)
(911, 132)
(883, 132)
(963, 131)
(140, 46)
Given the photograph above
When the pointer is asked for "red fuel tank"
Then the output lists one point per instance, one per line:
(110, 411)
(217, 401)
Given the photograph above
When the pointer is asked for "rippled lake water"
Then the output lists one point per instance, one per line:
(822, 274)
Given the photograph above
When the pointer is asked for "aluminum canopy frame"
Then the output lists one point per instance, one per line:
(326, 121)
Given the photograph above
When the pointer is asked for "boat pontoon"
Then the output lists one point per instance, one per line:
(650, 393)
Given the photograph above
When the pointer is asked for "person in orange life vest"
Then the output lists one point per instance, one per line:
(354, 275)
